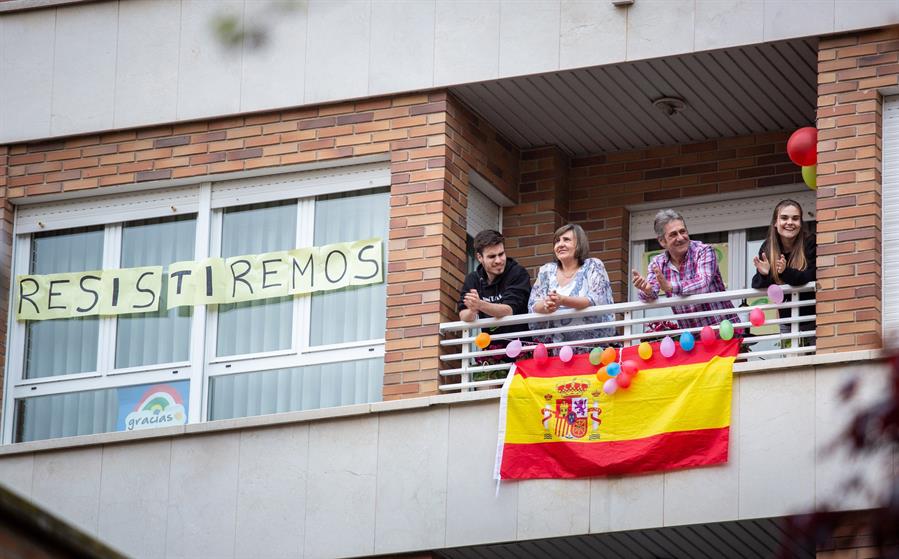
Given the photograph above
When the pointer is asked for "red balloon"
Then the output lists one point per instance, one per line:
(540, 353)
(707, 335)
(623, 380)
(757, 317)
(629, 368)
(802, 147)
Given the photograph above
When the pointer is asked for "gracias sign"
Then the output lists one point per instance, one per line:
(206, 282)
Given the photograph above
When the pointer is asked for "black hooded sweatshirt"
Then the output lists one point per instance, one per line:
(512, 287)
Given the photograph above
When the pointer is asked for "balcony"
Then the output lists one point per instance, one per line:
(630, 321)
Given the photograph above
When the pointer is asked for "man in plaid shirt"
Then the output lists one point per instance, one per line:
(685, 268)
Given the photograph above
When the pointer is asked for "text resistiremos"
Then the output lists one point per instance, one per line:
(211, 281)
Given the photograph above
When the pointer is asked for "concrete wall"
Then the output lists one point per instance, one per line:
(417, 475)
(94, 67)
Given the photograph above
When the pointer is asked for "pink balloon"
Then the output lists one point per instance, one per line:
(513, 350)
(757, 317)
(667, 348)
(775, 294)
(707, 335)
(623, 381)
(540, 353)
(610, 386)
(565, 354)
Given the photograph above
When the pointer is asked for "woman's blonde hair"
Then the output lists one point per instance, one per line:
(582, 247)
(797, 256)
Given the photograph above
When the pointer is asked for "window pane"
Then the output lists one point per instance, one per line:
(100, 411)
(65, 345)
(265, 325)
(298, 388)
(354, 313)
(162, 336)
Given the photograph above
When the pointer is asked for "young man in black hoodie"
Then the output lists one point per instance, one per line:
(498, 287)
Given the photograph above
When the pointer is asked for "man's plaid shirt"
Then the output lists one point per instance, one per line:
(698, 273)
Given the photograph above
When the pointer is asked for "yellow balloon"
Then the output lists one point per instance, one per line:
(482, 340)
(608, 355)
(645, 351)
(810, 176)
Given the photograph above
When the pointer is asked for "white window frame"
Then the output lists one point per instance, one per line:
(734, 213)
(890, 216)
(207, 200)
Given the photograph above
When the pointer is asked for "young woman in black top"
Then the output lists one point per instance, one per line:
(788, 257)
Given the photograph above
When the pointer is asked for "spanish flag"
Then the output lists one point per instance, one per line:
(556, 421)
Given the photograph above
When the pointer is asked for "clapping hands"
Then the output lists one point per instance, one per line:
(764, 267)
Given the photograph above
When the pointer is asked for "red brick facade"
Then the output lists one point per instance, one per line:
(851, 71)
(602, 186)
(432, 142)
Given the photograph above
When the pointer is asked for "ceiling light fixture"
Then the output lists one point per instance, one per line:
(669, 105)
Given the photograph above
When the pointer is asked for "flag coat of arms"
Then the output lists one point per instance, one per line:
(556, 421)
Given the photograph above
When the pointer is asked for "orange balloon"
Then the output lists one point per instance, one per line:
(608, 355)
(602, 374)
(482, 340)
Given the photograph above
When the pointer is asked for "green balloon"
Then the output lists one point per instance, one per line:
(595, 356)
(810, 176)
(726, 331)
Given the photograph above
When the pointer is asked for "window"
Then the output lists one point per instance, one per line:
(890, 215)
(736, 228)
(87, 375)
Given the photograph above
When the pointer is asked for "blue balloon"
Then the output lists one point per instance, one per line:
(613, 369)
(687, 341)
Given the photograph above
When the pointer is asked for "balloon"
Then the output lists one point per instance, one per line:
(540, 353)
(601, 374)
(726, 330)
(667, 347)
(482, 340)
(565, 354)
(612, 369)
(513, 349)
(802, 147)
(775, 294)
(608, 355)
(707, 335)
(687, 341)
(623, 381)
(595, 354)
(756, 317)
(610, 386)
(628, 368)
(645, 351)
(810, 176)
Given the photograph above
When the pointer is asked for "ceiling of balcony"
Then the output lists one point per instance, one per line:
(729, 92)
(763, 537)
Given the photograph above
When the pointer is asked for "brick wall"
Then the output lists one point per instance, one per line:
(602, 186)
(542, 207)
(851, 69)
(432, 267)
(432, 142)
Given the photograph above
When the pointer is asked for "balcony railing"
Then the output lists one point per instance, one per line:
(629, 321)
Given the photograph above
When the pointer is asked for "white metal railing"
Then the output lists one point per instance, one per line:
(629, 317)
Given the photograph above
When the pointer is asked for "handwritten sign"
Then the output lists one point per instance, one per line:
(212, 281)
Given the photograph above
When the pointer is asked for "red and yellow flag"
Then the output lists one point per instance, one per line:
(556, 422)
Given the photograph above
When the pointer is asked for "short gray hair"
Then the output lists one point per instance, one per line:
(582, 250)
(663, 218)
